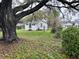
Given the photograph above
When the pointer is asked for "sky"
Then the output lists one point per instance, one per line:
(0, 0)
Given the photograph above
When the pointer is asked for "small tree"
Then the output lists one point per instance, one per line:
(53, 15)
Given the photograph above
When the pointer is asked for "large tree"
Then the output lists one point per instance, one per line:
(9, 16)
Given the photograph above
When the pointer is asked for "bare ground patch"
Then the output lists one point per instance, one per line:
(6, 48)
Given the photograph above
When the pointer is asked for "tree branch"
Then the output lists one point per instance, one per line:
(70, 4)
(50, 6)
(22, 7)
(37, 7)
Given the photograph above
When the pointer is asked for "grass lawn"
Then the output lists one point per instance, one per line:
(36, 45)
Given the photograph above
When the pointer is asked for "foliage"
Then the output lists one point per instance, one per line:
(35, 16)
(52, 14)
(54, 20)
(58, 32)
(70, 42)
(56, 27)
(40, 14)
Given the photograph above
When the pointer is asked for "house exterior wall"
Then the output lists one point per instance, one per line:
(26, 27)
(40, 25)
(66, 25)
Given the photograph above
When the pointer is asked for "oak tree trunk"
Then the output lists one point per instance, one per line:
(9, 33)
(9, 17)
(8, 23)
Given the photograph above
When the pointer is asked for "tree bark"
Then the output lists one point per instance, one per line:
(9, 33)
(8, 23)
(9, 27)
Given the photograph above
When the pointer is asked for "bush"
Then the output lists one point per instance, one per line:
(57, 34)
(70, 41)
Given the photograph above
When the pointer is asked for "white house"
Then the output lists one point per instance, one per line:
(20, 26)
(37, 25)
(66, 25)
(69, 23)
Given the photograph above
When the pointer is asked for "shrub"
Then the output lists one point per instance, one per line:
(70, 41)
(58, 33)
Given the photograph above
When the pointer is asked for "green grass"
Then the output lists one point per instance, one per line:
(37, 45)
(35, 35)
